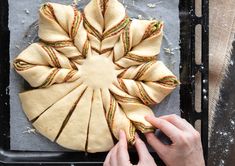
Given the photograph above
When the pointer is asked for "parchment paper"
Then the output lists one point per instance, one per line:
(24, 13)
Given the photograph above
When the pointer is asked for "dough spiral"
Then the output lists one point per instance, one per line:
(94, 72)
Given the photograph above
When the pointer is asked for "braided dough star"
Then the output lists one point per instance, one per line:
(94, 72)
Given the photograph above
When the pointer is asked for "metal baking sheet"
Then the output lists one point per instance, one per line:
(24, 13)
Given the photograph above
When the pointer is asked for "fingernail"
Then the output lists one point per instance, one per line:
(147, 117)
(158, 120)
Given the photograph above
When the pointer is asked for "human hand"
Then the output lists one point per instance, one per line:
(118, 155)
(186, 147)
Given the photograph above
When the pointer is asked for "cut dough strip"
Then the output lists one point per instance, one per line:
(54, 119)
(74, 134)
(35, 102)
(99, 137)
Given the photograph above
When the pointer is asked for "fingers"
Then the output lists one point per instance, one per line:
(166, 127)
(155, 143)
(180, 123)
(113, 157)
(119, 153)
(122, 152)
(141, 148)
(122, 140)
(145, 157)
(119, 156)
(107, 159)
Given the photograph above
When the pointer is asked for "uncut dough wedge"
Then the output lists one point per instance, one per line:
(94, 73)
(99, 136)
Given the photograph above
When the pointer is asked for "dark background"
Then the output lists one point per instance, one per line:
(222, 144)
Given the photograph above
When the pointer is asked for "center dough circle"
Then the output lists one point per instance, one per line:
(98, 72)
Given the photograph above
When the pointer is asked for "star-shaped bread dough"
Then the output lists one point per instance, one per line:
(94, 72)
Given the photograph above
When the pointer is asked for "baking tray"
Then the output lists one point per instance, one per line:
(188, 70)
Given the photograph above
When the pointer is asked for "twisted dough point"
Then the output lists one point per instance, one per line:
(104, 21)
(62, 27)
(45, 67)
(151, 82)
(140, 42)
